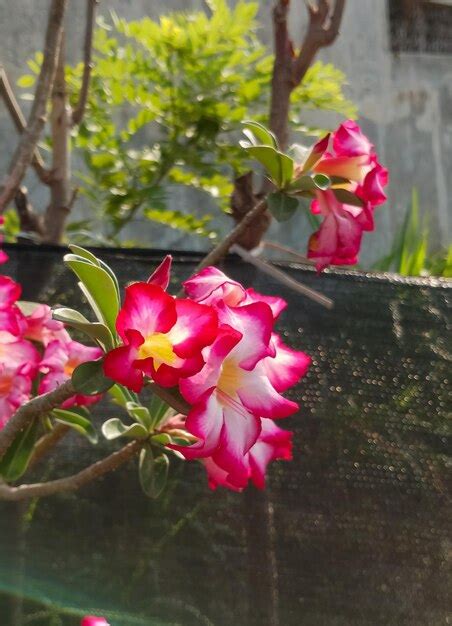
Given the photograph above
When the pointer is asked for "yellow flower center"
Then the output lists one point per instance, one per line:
(70, 367)
(158, 347)
(229, 380)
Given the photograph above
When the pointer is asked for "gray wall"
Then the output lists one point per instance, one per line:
(405, 105)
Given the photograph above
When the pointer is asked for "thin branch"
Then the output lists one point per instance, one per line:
(74, 482)
(30, 222)
(283, 278)
(322, 31)
(278, 246)
(36, 121)
(223, 247)
(7, 93)
(79, 110)
(41, 405)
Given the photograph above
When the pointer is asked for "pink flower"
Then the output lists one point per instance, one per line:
(17, 353)
(42, 328)
(273, 443)
(211, 286)
(163, 337)
(58, 363)
(11, 319)
(233, 391)
(3, 255)
(15, 388)
(352, 157)
(91, 620)
(161, 276)
(338, 239)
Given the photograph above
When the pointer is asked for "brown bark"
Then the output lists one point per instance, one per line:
(58, 209)
(79, 110)
(20, 122)
(29, 139)
(29, 221)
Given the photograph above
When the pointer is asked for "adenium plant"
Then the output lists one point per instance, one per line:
(210, 357)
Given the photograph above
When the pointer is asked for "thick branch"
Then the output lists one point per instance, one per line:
(79, 110)
(74, 482)
(40, 405)
(18, 118)
(58, 209)
(27, 144)
(281, 85)
(322, 31)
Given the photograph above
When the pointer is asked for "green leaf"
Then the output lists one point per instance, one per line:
(27, 308)
(121, 395)
(347, 197)
(95, 330)
(26, 81)
(89, 256)
(101, 288)
(77, 421)
(158, 408)
(281, 206)
(89, 378)
(14, 463)
(322, 181)
(255, 131)
(139, 413)
(153, 472)
(279, 166)
(114, 428)
(163, 438)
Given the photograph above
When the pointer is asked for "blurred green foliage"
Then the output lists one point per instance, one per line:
(165, 105)
(409, 255)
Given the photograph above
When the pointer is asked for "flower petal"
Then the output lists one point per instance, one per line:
(161, 276)
(147, 309)
(119, 365)
(211, 286)
(287, 366)
(196, 327)
(259, 396)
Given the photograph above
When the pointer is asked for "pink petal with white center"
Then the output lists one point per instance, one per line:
(147, 309)
(273, 443)
(194, 387)
(254, 322)
(205, 421)
(43, 328)
(259, 396)
(276, 304)
(218, 477)
(349, 140)
(287, 367)
(120, 363)
(9, 292)
(210, 286)
(12, 323)
(316, 153)
(240, 432)
(15, 390)
(196, 327)
(91, 620)
(161, 276)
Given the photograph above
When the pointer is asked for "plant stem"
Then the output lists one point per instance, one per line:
(71, 483)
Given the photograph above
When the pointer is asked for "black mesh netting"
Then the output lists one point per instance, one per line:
(355, 531)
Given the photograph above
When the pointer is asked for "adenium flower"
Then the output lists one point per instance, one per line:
(234, 391)
(11, 319)
(352, 157)
(272, 444)
(58, 363)
(15, 388)
(42, 328)
(162, 337)
(91, 620)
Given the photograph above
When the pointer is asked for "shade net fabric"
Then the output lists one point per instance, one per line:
(354, 531)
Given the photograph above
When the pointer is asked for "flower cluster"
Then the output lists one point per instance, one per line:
(36, 352)
(349, 159)
(218, 346)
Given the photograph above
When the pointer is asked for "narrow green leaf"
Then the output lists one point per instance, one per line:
(114, 428)
(89, 378)
(77, 422)
(101, 287)
(347, 197)
(95, 330)
(139, 413)
(269, 158)
(281, 206)
(14, 463)
(322, 181)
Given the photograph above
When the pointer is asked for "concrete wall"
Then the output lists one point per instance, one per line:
(405, 105)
